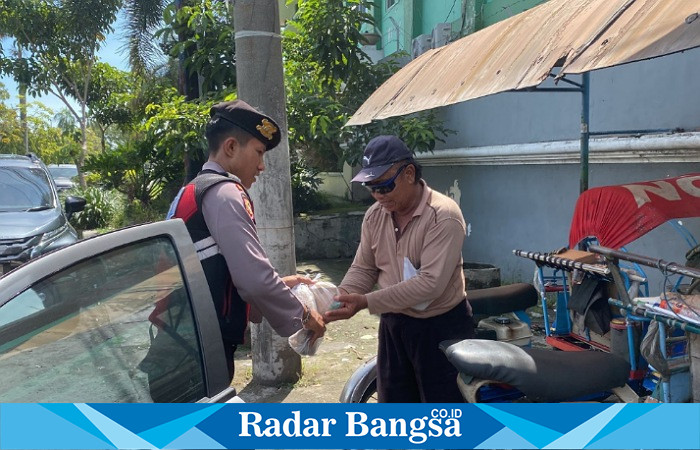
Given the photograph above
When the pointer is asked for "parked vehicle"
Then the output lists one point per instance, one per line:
(122, 317)
(32, 221)
(63, 175)
(592, 373)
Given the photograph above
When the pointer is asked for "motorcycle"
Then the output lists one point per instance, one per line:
(502, 310)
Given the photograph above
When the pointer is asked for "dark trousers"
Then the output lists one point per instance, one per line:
(410, 366)
(229, 350)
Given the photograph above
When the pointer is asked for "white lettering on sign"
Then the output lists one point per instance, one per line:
(641, 192)
(687, 184)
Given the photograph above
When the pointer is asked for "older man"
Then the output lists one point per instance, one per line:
(411, 246)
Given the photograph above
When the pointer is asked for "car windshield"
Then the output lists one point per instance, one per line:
(23, 189)
(63, 172)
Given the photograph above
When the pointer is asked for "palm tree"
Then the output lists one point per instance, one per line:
(144, 18)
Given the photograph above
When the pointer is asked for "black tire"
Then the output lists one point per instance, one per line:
(370, 394)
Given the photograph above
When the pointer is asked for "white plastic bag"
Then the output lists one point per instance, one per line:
(317, 297)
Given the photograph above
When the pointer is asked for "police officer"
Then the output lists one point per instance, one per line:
(220, 217)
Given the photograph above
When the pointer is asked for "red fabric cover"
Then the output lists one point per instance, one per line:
(617, 215)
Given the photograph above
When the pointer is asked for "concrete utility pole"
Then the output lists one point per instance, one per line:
(260, 81)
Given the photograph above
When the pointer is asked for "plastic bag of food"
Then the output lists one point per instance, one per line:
(316, 297)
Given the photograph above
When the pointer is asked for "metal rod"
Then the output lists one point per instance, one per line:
(603, 133)
(567, 81)
(585, 119)
(683, 326)
(563, 263)
(543, 300)
(664, 266)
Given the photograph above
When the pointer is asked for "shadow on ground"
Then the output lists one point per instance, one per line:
(345, 347)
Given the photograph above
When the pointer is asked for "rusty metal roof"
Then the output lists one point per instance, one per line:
(520, 52)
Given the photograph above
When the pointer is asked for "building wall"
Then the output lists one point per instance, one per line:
(493, 11)
(406, 19)
(530, 208)
(515, 162)
(650, 94)
(436, 11)
(392, 26)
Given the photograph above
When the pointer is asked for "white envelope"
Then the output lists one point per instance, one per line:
(409, 272)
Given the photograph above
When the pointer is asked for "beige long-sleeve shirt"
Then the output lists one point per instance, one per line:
(432, 241)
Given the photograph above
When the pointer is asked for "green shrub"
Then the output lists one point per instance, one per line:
(100, 206)
(135, 212)
(305, 182)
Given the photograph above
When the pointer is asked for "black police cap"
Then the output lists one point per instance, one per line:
(249, 119)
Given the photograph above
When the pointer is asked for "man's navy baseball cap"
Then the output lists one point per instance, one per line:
(380, 154)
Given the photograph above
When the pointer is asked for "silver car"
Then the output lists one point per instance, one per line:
(121, 317)
(63, 175)
(32, 221)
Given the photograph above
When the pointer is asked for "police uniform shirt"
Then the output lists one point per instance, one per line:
(229, 217)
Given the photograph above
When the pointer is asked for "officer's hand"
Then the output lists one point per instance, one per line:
(350, 305)
(316, 325)
(293, 280)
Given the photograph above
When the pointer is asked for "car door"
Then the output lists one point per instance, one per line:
(123, 317)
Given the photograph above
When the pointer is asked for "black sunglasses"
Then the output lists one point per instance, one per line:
(385, 186)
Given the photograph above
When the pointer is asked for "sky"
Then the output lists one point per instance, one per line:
(111, 53)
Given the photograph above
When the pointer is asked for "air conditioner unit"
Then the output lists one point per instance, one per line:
(421, 44)
(442, 34)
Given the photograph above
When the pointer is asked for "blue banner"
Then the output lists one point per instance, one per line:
(328, 426)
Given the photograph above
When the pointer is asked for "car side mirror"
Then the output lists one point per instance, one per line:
(74, 205)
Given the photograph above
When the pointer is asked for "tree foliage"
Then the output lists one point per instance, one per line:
(328, 76)
(204, 32)
(60, 41)
(50, 142)
(144, 17)
(109, 97)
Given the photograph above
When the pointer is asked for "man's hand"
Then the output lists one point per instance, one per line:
(316, 325)
(350, 305)
(293, 280)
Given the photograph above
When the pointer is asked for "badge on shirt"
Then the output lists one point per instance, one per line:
(247, 204)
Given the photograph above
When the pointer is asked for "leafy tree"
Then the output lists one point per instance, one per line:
(176, 126)
(150, 159)
(328, 76)
(43, 138)
(110, 98)
(60, 41)
(10, 126)
(204, 32)
(136, 169)
(145, 16)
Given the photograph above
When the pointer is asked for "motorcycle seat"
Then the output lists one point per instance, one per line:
(502, 299)
(542, 375)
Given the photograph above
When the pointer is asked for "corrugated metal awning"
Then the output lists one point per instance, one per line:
(520, 52)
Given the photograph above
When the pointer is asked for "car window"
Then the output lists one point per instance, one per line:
(117, 327)
(63, 172)
(24, 188)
